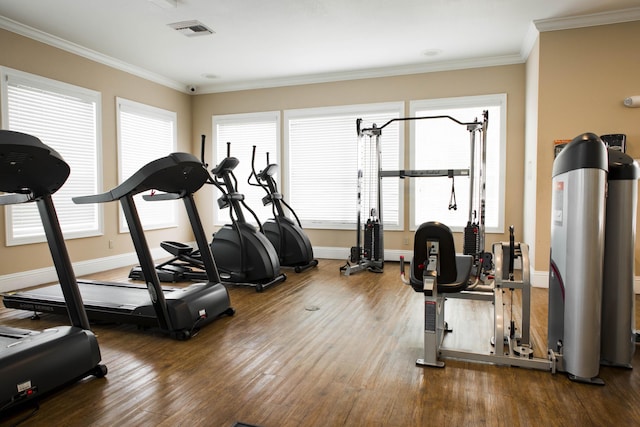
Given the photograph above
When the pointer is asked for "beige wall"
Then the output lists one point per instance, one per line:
(26, 55)
(579, 78)
(194, 118)
(505, 79)
(584, 75)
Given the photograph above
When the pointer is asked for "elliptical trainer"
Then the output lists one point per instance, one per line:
(243, 254)
(286, 236)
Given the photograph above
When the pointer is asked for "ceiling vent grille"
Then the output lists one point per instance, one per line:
(191, 28)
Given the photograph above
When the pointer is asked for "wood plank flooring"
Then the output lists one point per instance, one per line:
(322, 349)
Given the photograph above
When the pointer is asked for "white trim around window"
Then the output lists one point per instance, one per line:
(67, 118)
(436, 193)
(145, 133)
(324, 164)
(243, 131)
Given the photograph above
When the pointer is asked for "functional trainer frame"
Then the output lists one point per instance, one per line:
(371, 256)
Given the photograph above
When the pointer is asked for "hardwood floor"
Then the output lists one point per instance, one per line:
(322, 349)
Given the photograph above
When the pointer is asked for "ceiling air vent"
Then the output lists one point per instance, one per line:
(191, 28)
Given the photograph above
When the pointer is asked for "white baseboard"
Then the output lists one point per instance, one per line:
(344, 253)
(25, 279)
(540, 279)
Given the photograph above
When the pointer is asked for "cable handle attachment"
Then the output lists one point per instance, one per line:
(453, 204)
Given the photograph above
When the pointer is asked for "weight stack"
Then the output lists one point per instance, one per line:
(372, 245)
(470, 236)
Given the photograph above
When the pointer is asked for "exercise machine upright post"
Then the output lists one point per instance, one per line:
(368, 254)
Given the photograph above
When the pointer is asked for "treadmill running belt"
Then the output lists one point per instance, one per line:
(98, 294)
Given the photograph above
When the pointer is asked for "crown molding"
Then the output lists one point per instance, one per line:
(57, 42)
(364, 74)
(591, 20)
(529, 41)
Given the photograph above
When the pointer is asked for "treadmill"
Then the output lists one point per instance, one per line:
(33, 363)
(180, 312)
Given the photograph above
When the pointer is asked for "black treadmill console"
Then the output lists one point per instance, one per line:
(27, 166)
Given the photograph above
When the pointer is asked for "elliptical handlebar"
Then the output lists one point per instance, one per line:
(202, 146)
(229, 187)
(265, 180)
(258, 177)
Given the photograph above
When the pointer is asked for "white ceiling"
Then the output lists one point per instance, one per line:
(261, 43)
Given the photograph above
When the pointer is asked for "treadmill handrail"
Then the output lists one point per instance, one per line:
(160, 197)
(15, 198)
(178, 173)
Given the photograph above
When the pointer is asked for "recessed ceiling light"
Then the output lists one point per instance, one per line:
(209, 76)
(432, 52)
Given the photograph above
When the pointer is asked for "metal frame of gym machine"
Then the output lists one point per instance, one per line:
(371, 257)
(509, 347)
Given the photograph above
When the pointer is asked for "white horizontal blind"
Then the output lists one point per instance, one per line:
(64, 117)
(244, 131)
(323, 165)
(444, 144)
(145, 134)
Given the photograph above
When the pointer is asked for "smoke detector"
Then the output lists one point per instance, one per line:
(191, 28)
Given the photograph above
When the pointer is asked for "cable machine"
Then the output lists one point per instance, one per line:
(368, 254)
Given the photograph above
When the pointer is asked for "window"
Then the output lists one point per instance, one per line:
(444, 144)
(67, 118)
(321, 145)
(243, 131)
(145, 134)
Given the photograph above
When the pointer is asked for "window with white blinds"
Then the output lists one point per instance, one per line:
(322, 149)
(243, 131)
(145, 134)
(67, 118)
(444, 144)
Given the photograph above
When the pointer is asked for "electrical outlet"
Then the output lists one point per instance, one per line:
(110, 244)
(405, 241)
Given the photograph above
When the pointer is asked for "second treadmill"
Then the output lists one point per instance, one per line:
(178, 311)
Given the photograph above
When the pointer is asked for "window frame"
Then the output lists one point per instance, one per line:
(472, 101)
(10, 77)
(145, 111)
(357, 110)
(221, 216)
